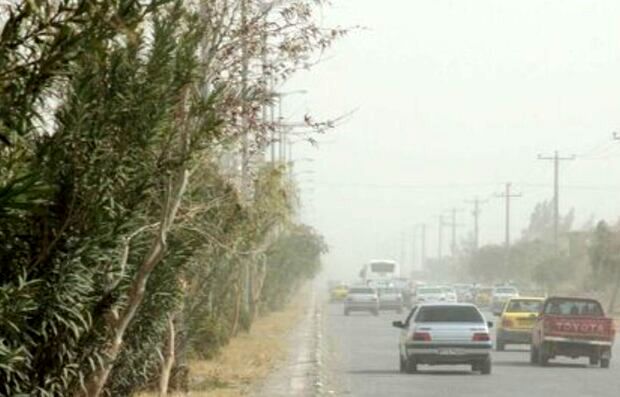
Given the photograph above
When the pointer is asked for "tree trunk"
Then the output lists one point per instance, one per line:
(257, 288)
(168, 360)
(96, 381)
(237, 312)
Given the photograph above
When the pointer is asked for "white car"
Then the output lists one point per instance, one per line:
(450, 293)
(427, 294)
(363, 299)
(390, 299)
(444, 333)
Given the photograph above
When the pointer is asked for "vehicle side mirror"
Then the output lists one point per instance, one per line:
(398, 324)
(490, 324)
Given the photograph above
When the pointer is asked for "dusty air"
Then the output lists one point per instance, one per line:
(309, 198)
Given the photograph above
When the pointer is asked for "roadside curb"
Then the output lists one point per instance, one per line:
(300, 375)
(319, 374)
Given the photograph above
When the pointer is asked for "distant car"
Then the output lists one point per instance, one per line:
(390, 299)
(500, 296)
(572, 327)
(450, 294)
(444, 333)
(483, 296)
(404, 286)
(363, 299)
(516, 321)
(426, 294)
(464, 293)
(338, 293)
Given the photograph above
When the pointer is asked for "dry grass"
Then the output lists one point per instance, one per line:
(248, 359)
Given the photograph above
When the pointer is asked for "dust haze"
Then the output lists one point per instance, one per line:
(452, 100)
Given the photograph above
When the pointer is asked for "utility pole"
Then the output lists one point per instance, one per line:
(421, 252)
(476, 214)
(423, 247)
(508, 195)
(414, 247)
(403, 251)
(453, 224)
(556, 158)
(440, 237)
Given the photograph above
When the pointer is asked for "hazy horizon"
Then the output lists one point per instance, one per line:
(452, 100)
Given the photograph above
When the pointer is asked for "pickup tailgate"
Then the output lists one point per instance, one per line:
(580, 327)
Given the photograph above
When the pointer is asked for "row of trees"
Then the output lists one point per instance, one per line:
(586, 259)
(132, 235)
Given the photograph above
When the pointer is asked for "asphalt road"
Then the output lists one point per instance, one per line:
(364, 362)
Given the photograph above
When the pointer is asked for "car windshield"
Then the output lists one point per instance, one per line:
(361, 291)
(422, 291)
(524, 306)
(449, 314)
(573, 307)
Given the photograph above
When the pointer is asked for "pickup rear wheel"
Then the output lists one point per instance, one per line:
(594, 359)
(604, 363)
(411, 366)
(543, 355)
(533, 355)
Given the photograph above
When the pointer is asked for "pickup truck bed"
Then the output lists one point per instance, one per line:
(572, 327)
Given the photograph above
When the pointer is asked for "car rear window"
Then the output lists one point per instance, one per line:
(449, 314)
(524, 306)
(361, 291)
(573, 307)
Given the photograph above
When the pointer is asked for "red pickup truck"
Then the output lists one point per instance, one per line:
(572, 327)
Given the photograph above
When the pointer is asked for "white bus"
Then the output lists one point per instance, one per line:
(380, 271)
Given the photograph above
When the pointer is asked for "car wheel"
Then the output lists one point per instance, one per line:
(411, 366)
(543, 356)
(485, 366)
(604, 363)
(594, 360)
(533, 355)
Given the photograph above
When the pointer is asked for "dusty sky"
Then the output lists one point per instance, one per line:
(453, 99)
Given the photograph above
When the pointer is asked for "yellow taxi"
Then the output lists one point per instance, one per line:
(338, 293)
(516, 321)
(483, 296)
